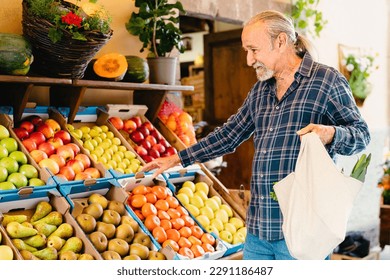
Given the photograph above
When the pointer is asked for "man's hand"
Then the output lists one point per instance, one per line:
(161, 164)
(325, 132)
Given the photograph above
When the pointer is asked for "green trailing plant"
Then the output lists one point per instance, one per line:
(155, 24)
(307, 18)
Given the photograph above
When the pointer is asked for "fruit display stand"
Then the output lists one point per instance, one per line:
(53, 216)
(46, 181)
(110, 220)
(180, 236)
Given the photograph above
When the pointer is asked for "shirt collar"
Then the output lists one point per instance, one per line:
(306, 65)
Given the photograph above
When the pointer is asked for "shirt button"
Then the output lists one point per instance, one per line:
(261, 197)
(261, 175)
(271, 129)
(277, 107)
(264, 151)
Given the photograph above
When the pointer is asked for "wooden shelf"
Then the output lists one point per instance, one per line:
(70, 92)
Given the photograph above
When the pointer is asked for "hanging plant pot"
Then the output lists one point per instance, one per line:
(359, 101)
(162, 70)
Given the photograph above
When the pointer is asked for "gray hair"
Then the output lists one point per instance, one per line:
(278, 23)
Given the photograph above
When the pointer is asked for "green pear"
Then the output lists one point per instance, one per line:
(48, 253)
(27, 224)
(13, 218)
(64, 231)
(53, 218)
(20, 245)
(45, 229)
(55, 241)
(27, 255)
(36, 241)
(17, 230)
(41, 210)
(73, 244)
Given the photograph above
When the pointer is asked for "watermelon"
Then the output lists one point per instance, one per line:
(15, 54)
(137, 69)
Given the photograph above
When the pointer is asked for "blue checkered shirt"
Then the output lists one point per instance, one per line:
(319, 94)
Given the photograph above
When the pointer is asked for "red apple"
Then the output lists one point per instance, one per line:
(154, 153)
(27, 126)
(38, 155)
(75, 148)
(76, 165)
(59, 159)
(148, 125)
(21, 132)
(159, 147)
(156, 134)
(49, 164)
(148, 158)
(82, 176)
(55, 141)
(66, 152)
(46, 130)
(164, 142)
(84, 159)
(64, 135)
(93, 172)
(116, 122)
(35, 120)
(144, 130)
(53, 124)
(68, 172)
(47, 147)
(37, 137)
(129, 126)
(151, 139)
(170, 151)
(29, 144)
(146, 144)
(137, 120)
(141, 151)
(137, 136)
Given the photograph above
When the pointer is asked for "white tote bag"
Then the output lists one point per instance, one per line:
(316, 201)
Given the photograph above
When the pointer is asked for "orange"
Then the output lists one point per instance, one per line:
(162, 204)
(165, 224)
(177, 223)
(173, 234)
(151, 197)
(188, 220)
(172, 201)
(160, 191)
(140, 189)
(182, 210)
(171, 243)
(194, 240)
(197, 250)
(184, 242)
(185, 231)
(148, 209)
(159, 234)
(197, 231)
(151, 222)
(173, 213)
(186, 252)
(207, 247)
(139, 214)
(163, 215)
(137, 200)
(208, 238)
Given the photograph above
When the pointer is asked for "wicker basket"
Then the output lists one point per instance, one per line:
(67, 58)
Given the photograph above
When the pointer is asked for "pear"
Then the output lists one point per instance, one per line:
(117, 206)
(108, 229)
(111, 255)
(17, 230)
(86, 257)
(20, 245)
(53, 218)
(87, 222)
(27, 224)
(73, 244)
(27, 255)
(94, 209)
(64, 231)
(55, 241)
(48, 253)
(68, 256)
(41, 210)
(45, 229)
(13, 218)
(98, 198)
(36, 241)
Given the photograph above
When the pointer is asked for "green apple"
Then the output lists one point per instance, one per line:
(10, 144)
(218, 199)
(238, 237)
(7, 186)
(3, 173)
(243, 231)
(70, 127)
(77, 133)
(222, 215)
(193, 209)
(226, 236)
(230, 227)
(104, 145)
(197, 201)
(183, 198)
(130, 155)
(213, 229)
(36, 182)
(207, 211)
(217, 224)
(3, 152)
(228, 210)
(202, 186)
(237, 222)
(4, 133)
(19, 156)
(187, 191)
(9, 163)
(212, 203)
(29, 171)
(203, 220)
(189, 184)
(202, 195)
(18, 179)
(88, 145)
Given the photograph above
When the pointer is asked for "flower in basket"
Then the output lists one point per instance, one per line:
(384, 182)
(358, 68)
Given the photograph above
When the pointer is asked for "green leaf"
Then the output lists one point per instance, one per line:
(55, 35)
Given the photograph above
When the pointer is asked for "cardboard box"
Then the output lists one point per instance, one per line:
(25, 202)
(5, 240)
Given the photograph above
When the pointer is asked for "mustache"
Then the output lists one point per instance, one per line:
(258, 64)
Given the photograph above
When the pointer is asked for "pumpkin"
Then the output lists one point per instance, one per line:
(137, 69)
(111, 66)
(15, 54)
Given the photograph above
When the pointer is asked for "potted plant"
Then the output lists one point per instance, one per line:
(155, 25)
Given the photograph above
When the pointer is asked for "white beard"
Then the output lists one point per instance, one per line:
(262, 72)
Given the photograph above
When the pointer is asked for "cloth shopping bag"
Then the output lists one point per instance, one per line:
(316, 201)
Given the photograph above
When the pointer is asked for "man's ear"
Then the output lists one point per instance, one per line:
(281, 40)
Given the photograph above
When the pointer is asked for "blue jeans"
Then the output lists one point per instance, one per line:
(258, 249)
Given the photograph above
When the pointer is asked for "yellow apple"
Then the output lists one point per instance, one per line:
(238, 237)
(212, 229)
(202, 186)
(187, 191)
(243, 231)
(226, 236)
(189, 184)
(193, 209)
(197, 201)
(218, 199)
(205, 210)
(183, 198)
(203, 220)
(6, 253)
(202, 195)
(212, 203)
(222, 215)
(217, 224)
(228, 210)
(237, 222)
(230, 227)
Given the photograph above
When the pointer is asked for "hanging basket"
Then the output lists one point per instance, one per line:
(67, 58)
